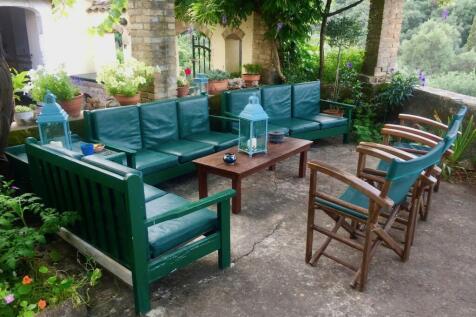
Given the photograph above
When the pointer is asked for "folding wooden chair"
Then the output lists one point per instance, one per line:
(359, 209)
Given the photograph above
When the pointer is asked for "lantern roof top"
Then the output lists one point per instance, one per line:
(51, 111)
(253, 110)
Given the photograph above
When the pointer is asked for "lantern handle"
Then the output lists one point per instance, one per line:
(49, 97)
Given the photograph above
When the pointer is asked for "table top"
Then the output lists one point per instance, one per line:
(245, 164)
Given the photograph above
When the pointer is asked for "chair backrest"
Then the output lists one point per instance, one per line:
(276, 101)
(111, 206)
(159, 122)
(306, 99)
(119, 126)
(193, 116)
(457, 118)
(402, 175)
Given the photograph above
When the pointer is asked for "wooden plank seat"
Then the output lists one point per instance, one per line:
(137, 232)
(367, 212)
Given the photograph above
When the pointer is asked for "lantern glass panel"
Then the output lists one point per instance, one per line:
(253, 136)
(55, 133)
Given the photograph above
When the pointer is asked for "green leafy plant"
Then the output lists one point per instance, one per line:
(217, 74)
(366, 128)
(55, 81)
(350, 81)
(253, 69)
(126, 78)
(182, 81)
(19, 81)
(22, 109)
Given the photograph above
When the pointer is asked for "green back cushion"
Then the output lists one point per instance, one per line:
(276, 101)
(118, 126)
(238, 99)
(305, 99)
(193, 115)
(158, 122)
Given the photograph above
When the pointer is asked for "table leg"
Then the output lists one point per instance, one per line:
(272, 168)
(202, 182)
(236, 200)
(302, 163)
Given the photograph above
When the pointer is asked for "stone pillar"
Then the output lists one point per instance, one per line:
(383, 39)
(153, 41)
(262, 50)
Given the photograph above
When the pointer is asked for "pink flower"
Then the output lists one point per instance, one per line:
(188, 72)
(9, 299)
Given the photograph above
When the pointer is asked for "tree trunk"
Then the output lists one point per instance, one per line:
(322, 37)
(336, 85)
(6, 104)
(277, 61)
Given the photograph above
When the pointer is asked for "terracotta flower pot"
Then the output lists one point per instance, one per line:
(73, 106)
(126, 101)
(183, 91)
(334, 112)
(251, 80)
(217, 86)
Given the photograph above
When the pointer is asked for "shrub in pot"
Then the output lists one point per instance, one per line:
(217, 81)
(58, 83)
(23, 115)
(252, 74)
(183, 86)
(123, 80)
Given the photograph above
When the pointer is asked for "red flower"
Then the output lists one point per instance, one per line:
(26, 280)
(188, 72)
(41, 304)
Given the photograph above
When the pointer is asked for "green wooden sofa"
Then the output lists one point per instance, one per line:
(293, 109)
(161, 139)
(138, 232)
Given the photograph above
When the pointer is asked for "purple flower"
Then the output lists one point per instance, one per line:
(392, 70)
(224, 20)
(190, 30)
(15, 188)
(279, 26)
(349, 65)
(445, 13)
(422, 78)
(9, 299)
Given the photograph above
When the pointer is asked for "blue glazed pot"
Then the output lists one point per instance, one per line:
(87, 148)
(229, 158)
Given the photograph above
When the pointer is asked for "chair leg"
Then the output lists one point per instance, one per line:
(437, 185)
(426, 203)
(141, 298)
(310, 233)
(345, 138)
(224, 253)
(324, 246)
(410, 229)
(364, 267)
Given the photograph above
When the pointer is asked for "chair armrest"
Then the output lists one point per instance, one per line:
(223, 118)
(229, 114)
(377, 153)
(405, 117)
(405, 128)
(354, 182)
(408, 136)
(130, 154)
(339, 104)
(191, 207)
(389, 149)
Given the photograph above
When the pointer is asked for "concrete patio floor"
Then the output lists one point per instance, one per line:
(268, 276)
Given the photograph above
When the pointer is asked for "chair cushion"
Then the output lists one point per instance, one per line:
(297, 125)
(276, 101)
(158, 122)
(119, 126)
(219, 140)
(306, 99)
(186, 150)
(193, 116)
(172, 233)
(235, 101)
(328, 121)
(351, 196)
(149, 161)
(151, 192)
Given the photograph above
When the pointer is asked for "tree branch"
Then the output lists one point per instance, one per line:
(350, 6)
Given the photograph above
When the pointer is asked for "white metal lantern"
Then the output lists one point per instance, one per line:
(253, 128)
(53, 124)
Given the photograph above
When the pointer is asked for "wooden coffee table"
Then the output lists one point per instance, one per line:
(246, 166)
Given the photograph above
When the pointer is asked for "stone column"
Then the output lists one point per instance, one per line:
(153, 41)
(383, 39)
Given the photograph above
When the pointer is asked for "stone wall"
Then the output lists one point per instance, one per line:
(262, 48)
(152, 30)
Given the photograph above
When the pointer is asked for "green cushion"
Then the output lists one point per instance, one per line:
(219, 140)
(193, 115)
(328, 121)
(297, 125)
(237, 100)
(151, 161)
(170, 234)
(351, 196)
(158, 122)
(118, 126)
(186, 150)
(276, 101)
(151, 192)
(305, 99)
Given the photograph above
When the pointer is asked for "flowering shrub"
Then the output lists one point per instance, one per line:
(56, 81)
(126, 78)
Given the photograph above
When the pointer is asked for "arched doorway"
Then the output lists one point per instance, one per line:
(233, 56)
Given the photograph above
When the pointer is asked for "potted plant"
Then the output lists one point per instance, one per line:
(23, 115)
(217, 81)
(19, 81)
(123, 80)
(252, 74)
(183, 87)
(58, 83)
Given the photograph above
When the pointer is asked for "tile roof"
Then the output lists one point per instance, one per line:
(99, 6)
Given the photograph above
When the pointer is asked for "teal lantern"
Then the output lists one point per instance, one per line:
(201, 83)
(253, 128)
(53, 124)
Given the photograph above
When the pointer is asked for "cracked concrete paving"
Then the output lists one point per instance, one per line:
(268, 276)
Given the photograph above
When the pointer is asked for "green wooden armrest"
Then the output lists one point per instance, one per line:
(224, 118)
(229, 114)
(339, 104)
(192, 207)
(115, 147)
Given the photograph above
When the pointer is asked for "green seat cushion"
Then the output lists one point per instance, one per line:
(411, 146)
(151, 161)
(151, 192)
(158, 122)
(351, 196)
(186, 150)
(193, 116)
(173, 233)
(219, 140)
(276, 101)
(297, 125)
(306, 99)
(118, 126)
(328, 121)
